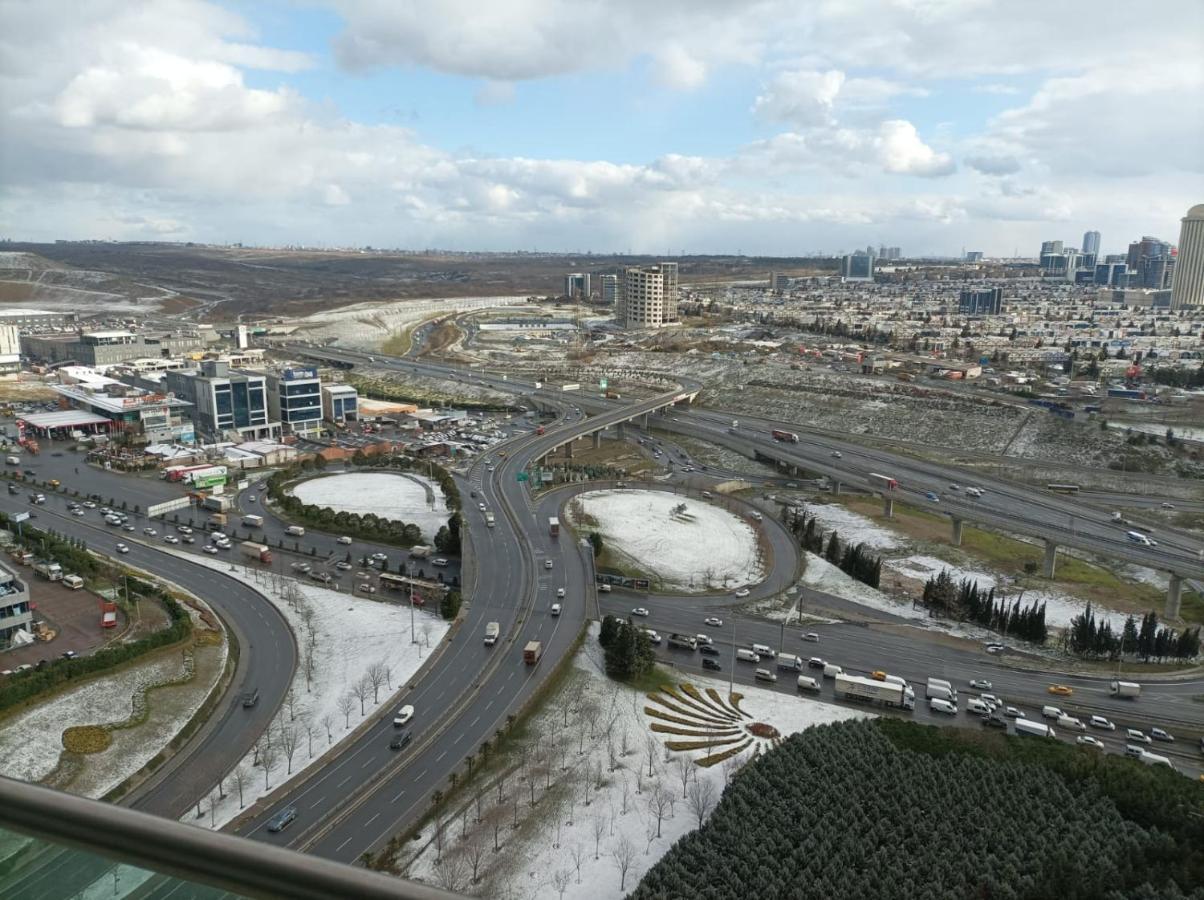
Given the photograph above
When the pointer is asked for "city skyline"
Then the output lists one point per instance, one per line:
(758, 129)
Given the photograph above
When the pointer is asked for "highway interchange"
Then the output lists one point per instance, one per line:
(368, 792)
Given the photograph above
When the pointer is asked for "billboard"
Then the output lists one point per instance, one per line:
(204, 481)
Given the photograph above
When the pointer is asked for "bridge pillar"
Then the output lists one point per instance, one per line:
(957, 532)
(888, 506)
(568, 450)
(597, 439)
(644, 421)
(1051, 558)
(835, 488)
(1174, 596)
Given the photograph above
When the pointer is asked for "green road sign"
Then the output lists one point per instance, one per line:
(522, 476)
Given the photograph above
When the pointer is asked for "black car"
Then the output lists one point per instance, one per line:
(400, 742)
(283, 820)
(708, 650)
(708, 663)
(995, 721)
(250, 698)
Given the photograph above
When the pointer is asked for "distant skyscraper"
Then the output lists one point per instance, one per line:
(1111, 274)
(1051, 248)
(1091, 243)
(984, 302)
(973, 256)
(858, 267)
(576, 286)
(1187, 287)
(647, 296)
(610, 289)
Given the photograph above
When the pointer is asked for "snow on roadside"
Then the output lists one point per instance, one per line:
(390, 495)
(704, 547)
(350, 635)
(854, 528)
(544, 850)
(821, 575)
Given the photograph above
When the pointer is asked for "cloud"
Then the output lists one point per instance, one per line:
(904, 153)
(801, 98)
(494, 93)
(1002, 164)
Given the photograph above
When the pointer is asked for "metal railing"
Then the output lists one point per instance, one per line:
(238, 865)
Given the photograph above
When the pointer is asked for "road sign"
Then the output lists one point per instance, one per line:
(521, 476)
(602, 383)
(21, 517)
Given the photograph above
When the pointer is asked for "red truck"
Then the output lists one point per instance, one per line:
(788, 436)
(256, 551)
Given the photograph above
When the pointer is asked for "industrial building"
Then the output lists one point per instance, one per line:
(105, 348)
(16, 611)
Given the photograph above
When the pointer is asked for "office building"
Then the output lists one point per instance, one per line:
(889, 253)
(106, 348)
(778, 282)
(647, 296)
(610, 289)
(981, 302)
(1150, 263)
(1051, 248)
(1091, 243)
(340, 403)
(1187, 287)
(1112, 274)
(16, 611)
(858, 267)
(295, 399)
(974, 256)
(227, 404)
(576, 286)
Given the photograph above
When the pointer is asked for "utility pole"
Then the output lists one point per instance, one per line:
(731, 684)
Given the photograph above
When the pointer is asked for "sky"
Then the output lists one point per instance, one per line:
(763, 127)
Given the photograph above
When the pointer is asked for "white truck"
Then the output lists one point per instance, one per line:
(1129, 689)
(489, 522)
(868, 690)
(789, 661)
(51, 571)
(1033, 729)
(940, 689)
(492, 630)
(253, 521)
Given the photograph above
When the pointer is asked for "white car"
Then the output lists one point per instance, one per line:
(1101, 722)
(344, 540)
(252, 498)
(743, 592)
(639, 611)
(1087, 740)
(210, 549)
(122, 548)
(653, 637)
(172, 539)
(714, 621)
(342, 565)
(703, 639)
(559, 592)
(812, 637)
(1012, 713)
(149, 532)
(1140, 737)
(403, 715)
(1159, 735)
(547, 564)
(481, 507)
(980, 684)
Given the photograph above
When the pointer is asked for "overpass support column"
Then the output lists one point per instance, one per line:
(597, 439)
(835, 488)
(644, 421)
(568, 450)
(888, 506)
(1174, 596)
(957, 532)
(1051, 558)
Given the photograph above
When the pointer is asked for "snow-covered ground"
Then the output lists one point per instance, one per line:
(566, 848)
(855, 528)
(821, 575)
(702, 547)
(368, 325)
(401, 498)
(348, 635)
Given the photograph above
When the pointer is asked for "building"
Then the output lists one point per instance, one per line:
(16, 611)
(610, 290)
(1150, 262)
(1112, 274)
(146, 417)
(858, 267)
(106, 348)
(648, 296)
(981, 302)
(295, 399)
(576, 286)
(10, 348)
(340, 403)
(779, 283)
(226, 403)
(1091, 243)
(974, 256)
(1051, 248)
(1187, 288)
(27, 319)
(889, 253)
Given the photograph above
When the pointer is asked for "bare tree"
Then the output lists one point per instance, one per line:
(587, 782)
(496, 818)
(659, 801)
(388, 676)
(376, 678)
(240, 781)
(288, 743)
(598, 823)
(474, 852)
(683, 768)
(326, 721)
(480, 804)
(577, 852)
(623, 853)
(624, 743)
(213, 798)
(560, 880)
(268, 755)
(310, 729)
(702, 798)
(626, 793)
(449, 871)
(438, 837)
(307, 660)
(360, 690)
(651, 744)
(558, 816)
(426, 634)
(290, 701)
(346, 706)
(730, 766)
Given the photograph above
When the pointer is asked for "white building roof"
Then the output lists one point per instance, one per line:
(67, 418)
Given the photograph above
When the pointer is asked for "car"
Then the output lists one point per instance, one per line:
(714, 621)
(995, 721)
(252, 498)
(403, 715)
(183, 529)
(128, 528)
(345, 539)
(188, 539)
(1166, 505)
(378, 556)
(301, 566)
(954, 486)
(1134, 751)
(77, 512)
(991, 699)
(1159, 735)
(1012, 713)
(283, 819)
(171, 539)
(342, 565)
(481, 507)
(708, 650)
(708, 663)
(88, 504)
(1060, 690)
(703, 639)
(604, 588)
(743, 592)
(1140, 737)
(932, 496)
(1086, 740)
(149, 532)
(547, 564)
(366, 589)
(555, 609)
(210, 549)
(1101, 722)
(559, 592)
(812, 637)
(816, 663)
(980, 684)
(401, 741)
(69, 654)
(836, 454)
(122, 548)
(640, 611)
(653, 636)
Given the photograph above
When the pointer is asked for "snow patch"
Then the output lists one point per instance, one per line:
(854, 528)
(821, 575)
(399, 498)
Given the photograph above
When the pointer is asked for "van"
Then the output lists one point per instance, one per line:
(973, 492)
(765, 675)
(555, 609)
(13, 460)
(940, 693)
(604, 588)
(831, 671)
(745, 655)
(73, 581)
(807, 683)
(976, 706)
(1051, 712)
(789, 661)
(1154, 759)
(762, 650)
(295, 531)
(936, 704)
(1071, 722)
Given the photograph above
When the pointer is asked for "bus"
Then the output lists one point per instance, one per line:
(1063, 488)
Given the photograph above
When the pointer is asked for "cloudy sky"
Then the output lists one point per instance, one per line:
(697, 126)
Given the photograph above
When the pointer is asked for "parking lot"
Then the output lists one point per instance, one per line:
(74, 616)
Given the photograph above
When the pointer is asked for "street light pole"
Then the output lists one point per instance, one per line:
(731, 684)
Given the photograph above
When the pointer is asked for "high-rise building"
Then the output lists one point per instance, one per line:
(610, 289)
(858, 267)
(1051, 248)
(647, 296)
(224, 401)
(974, 256)
(295, 399)
(1187, 286)
(576, 286)
(1112, 274)
(1091, 243)
(779, 283)
(982, 302)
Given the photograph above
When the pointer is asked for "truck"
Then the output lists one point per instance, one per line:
(940, 692)
(253, 521)
(205, 475)
(216, 522)
(613, 395)
(554, 526)
(789, 436)
(790, 661)
(492, 630)
(1033, 729)
(218, 503)
(883, 482)
(1129, 689)
(252, 550)
(532, 652)
(866, 690)
(489, 519)
(51, 571)
(683, 641)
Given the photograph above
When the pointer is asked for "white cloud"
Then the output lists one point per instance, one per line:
(333, 195)
(677, 68)
(994, 164)
(903, 152)
(494, 93)
(801, 97)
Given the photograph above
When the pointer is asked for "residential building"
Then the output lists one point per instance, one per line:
(16, 611)
(226, 403)
(295, 399)
(610, 290)
(576, 286)
(981, 302)
(889, 253)
(1187, 288)
(779, 282)
(340, 403)
(648, 296)
(1091, 243)
(857, 267)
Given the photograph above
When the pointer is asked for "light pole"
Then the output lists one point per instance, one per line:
(731, 684)
(410, 576)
